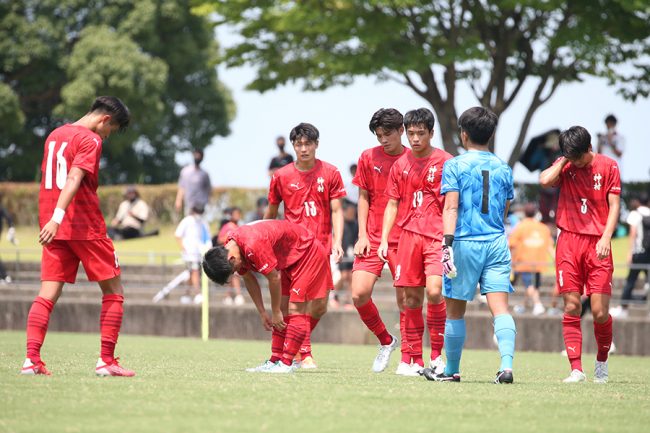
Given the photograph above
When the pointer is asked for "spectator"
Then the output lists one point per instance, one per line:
(258, 213)
(232, 297)
(131, 215)
(351, 189)
(280, 160)
(350, 236)
(11, 237)
(639, 255)
(611, 143)
(531, 244)
(193, 236)
(194, 185)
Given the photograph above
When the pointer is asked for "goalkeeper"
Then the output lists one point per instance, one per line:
(478, 189)
(11, 237)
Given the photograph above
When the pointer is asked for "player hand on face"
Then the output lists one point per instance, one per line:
(337, 253)
(603, 247)
(382, 251)
(278, 320)
(48, 232)
(362, 247)
(448, 267)
(266, 321)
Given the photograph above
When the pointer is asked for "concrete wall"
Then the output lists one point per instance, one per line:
(534, 333)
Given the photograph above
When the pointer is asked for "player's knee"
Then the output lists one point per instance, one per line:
(318, 309)
(360, 299)
(435, 298)
(573, 309)
(600, 316)
(412, 302)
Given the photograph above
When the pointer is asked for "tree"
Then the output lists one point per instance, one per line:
(494, 46)
(156, 55)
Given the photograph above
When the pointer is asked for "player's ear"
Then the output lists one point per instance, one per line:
(400, 130)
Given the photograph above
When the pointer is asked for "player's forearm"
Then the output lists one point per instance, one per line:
(551, 176)
(390, 213)
(271, 211)
(275, 289)
(363, 207)
(179, 198)
(612, 216)
(72, 184)
(450, 213)
(253, 288)
(337, 221)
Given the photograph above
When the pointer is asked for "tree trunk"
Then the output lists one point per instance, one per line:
(448, 129)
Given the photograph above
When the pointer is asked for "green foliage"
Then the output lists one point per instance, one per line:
(431, 46)
(156, 55)
(184, 385)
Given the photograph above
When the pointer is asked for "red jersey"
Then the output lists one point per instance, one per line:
(271, 244)
(583, 206)
(307, 195)
(417, 182)
(373, 169)
(66, 147)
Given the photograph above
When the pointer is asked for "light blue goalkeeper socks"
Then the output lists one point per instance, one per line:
(454, 342)
(505, 330)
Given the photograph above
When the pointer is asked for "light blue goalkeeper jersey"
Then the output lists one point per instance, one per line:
(484, 183)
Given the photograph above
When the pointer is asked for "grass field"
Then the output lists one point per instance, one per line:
(185, 385)
(154, 249)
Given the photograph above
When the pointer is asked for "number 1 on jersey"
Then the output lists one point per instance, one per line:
(486, 191)
(61, 166)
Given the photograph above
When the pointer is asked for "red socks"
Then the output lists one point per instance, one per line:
(295, 334)
(573, 340)
(110, 322)
(436, 317)
(277, 341)
(37, 321)
(370, 316)
(414, 333)
(603, 333)
(305, 348)
(406, 355)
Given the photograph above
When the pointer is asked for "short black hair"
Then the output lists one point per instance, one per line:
(262, 201)
(479, 123)
(304, 130)
(421, 116)
(115, 107)
(388, 119)
(217, 266)
(611, 118)
(575, 142)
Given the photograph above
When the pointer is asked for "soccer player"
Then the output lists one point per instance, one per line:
(311, 191)
(275, 248)
(590, 188)
(73, 230)
(415, 179)
(371, 178)
(478, 189)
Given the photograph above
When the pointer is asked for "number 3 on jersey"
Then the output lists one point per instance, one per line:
(583, 207)
(310, 208)
(61, 166)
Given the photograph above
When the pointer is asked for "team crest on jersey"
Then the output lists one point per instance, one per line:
(597, 178)
(432, 173)
(321, 184)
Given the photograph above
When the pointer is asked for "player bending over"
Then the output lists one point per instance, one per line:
(270, 247)
(371, 178)
(73, 230)
(587, 212)
(478, 189)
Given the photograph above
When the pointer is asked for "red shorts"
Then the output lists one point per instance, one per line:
(60, 260)
(418, 257)
(578, 268)
(373, 264)
(310, 278)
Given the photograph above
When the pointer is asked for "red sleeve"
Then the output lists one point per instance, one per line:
(393, 185)
(337, 189)
(275, 190)
(361, 177)
(87, 154)
(261, 260)
(614, 179)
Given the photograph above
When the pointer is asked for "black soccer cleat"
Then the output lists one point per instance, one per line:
(504, 376)
(441, 377)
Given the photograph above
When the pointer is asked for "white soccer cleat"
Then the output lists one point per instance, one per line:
(186, 300)
(262, 368)
(601, 374)
(404, 369)
(112, 369)
(31, 369)
(383, 357)
(281, 368)
(538, 310)
(198, 299)
(437, 365)
(575, 377)
(239, 300)
(308, 363)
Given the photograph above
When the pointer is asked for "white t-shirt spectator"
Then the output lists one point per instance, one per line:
(606, 147)
(635, 219)
(195, 236)
(132, 213)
